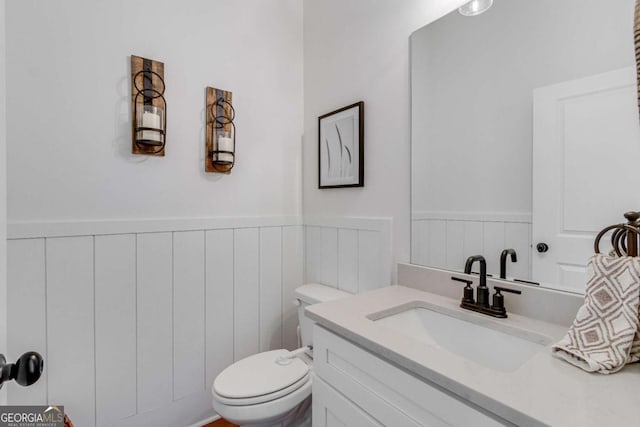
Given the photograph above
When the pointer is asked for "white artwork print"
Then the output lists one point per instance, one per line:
(339, 149)
(338, 141)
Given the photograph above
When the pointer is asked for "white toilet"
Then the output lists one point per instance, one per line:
(273, 388)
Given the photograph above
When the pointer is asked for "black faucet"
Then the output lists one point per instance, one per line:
(503, 261)
(481, 304)
(482, 292)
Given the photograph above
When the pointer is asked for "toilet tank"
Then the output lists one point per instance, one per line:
(309, 294)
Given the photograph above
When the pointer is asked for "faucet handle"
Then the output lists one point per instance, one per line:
(467, 297)
(458, 279)
(498, 289)
(498, 299)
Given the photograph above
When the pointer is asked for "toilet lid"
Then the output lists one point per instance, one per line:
(259, 375)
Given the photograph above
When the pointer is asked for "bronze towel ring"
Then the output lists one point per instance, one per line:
(624, 239)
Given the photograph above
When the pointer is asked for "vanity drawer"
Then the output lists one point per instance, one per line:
(331, 409)
(390, 395)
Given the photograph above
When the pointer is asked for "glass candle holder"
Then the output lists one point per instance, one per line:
(150, 125)
(225, 149)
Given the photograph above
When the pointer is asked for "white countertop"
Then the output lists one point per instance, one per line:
(543, 391)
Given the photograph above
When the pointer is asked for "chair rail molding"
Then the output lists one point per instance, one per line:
(34, 229)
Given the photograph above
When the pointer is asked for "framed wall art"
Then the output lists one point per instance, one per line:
(341, 147)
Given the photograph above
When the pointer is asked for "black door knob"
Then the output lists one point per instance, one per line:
(29, 368)
(542, 247)
(26, 371)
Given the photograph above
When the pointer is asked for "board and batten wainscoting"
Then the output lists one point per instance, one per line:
(446, 239)
(351, 254)
(136, 318)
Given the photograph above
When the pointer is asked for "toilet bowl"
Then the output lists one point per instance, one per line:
(273, 388)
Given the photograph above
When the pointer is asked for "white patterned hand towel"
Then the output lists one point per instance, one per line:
(605, 337)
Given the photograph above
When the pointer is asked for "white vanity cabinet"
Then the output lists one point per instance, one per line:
(354, 388)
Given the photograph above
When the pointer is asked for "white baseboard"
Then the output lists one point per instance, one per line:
(206, 421)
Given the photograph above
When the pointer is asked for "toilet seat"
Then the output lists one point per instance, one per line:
(259, 379)
(262, 414)
(265, 397)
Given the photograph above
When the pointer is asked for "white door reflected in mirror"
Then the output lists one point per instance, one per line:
(584, 130)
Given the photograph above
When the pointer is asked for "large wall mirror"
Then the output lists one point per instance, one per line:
(525, 136)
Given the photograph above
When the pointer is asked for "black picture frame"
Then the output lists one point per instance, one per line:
(346, 147)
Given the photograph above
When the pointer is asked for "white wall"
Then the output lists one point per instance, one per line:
(473, 95)
(134, 327)
(358, 50)
(73, 165)
(89, 222)
(68, 107)
(351, 254)
(447, 241)
(3, 189)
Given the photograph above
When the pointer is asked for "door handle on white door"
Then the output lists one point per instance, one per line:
(542, 247)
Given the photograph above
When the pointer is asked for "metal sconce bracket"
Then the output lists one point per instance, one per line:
(148, 107)
(220, 131)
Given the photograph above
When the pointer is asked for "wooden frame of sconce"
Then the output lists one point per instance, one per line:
(147, 89)
(219, 114)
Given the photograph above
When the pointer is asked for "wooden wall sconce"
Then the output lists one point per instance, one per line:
(149, 107)
(220, 155)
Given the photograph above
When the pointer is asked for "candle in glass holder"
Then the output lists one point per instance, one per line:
(151, 118)
(225, 143)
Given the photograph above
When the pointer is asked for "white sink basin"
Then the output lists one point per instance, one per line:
(498, 350)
